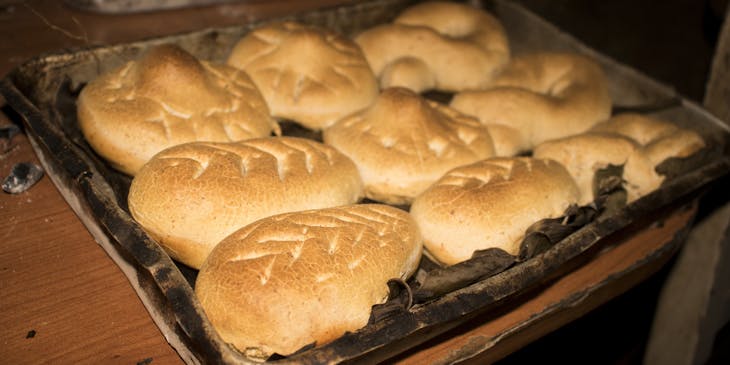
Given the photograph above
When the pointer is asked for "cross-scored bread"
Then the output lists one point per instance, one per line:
(307, 74)
(165, 98)
(403, 143)
(490, 203)
(191, 196)
(290, 280)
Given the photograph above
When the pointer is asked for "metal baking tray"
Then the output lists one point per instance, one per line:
(43, 92)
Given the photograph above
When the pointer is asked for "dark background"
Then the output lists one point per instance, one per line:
(673, 42)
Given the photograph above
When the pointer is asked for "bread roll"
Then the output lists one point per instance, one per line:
(490, 203)
(299, 278)
(307, 74)
(638, 143)
(191, 196)
(539, 97)
(660, 139)
(403, 143)
(165, 98)
(437, 45)
(586, 153)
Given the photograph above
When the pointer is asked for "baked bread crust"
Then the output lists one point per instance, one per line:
(660, 139)
(403, 143)
(636, 142)
(539, 97)
(307, 74)
(585, 153)
(165, 98)
(437, 45)
(191, 196)
(291, 280)
(490, 203)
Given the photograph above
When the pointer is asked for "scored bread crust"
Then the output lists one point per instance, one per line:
(165, 98)
(291, 280)
(437, 45)
(539, 97)
(307, 74)
(191, 196)
(489, 204)
(403, 143)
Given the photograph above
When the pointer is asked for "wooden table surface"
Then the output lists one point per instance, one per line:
(63, 300)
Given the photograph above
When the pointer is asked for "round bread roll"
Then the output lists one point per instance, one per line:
(191, 196)
(307, 74)
(403, 143)
(287, 281)
(165, 98)
(489, 204)
(437, 46)
(538, 97)
(636, 142)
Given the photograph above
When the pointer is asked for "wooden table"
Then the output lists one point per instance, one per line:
(65, 301)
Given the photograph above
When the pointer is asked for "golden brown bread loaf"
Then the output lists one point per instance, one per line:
(307, 74)
(490, 203)
(299, 278)
(660, 139)
(437, 45)
(165, 98)
(638, 143)
(585, 153)
(191, 196)
(403, 143)
(539, 97)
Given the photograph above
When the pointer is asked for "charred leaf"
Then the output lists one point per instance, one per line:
(400, 299)
(483, 264)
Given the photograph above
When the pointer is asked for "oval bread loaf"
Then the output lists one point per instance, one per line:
(290, 280)
(191, 196)
(538, 97)
(165, 98)
(490, 203)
